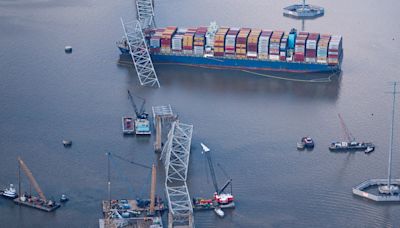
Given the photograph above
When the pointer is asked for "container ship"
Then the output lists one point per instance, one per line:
(244, 48)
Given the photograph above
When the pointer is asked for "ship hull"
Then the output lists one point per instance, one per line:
(245, 64)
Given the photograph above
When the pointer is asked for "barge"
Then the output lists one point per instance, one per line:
(351, 146)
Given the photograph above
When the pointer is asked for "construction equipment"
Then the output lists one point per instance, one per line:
(142, 123)
(40, 203)
(219, 196)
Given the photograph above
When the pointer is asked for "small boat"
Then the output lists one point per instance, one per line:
(308, 142)
(128, 127)
(10, 192)
(219, 212)
(369, 149)
(63, 198)
(67, 143)
(300, 146)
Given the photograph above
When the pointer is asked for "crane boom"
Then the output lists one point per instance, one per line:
(133, 104)
(32, 179)
(347, 133)
(206, 150)
(226, 185)
(140, 113)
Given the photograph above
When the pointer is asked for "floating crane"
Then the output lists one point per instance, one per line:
(42, 203)
(152, 206)
(142, 123)
(220, 197)
(351, 144)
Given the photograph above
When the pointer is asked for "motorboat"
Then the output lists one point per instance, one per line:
(9, 192)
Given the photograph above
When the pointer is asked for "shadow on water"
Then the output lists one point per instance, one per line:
(311, 85)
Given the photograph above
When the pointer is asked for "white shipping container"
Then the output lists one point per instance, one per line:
(155, 43)
(177, 43)
(310, 60)
(274, 57)
(252, 54)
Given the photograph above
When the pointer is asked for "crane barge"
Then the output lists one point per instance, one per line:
(41, 202)
(220, 199)
(351, 144)
(141, 123)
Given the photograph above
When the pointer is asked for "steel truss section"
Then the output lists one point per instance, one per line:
(145, 13)
(140, 53)
(163, 111)
(179, 204)
(176, 152)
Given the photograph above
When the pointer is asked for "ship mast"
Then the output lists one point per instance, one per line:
(391, 139)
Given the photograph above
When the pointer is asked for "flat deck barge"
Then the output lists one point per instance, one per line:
(37, 204)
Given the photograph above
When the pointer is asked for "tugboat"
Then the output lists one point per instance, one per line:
(9, 192)
(63, 198)
(308, 142)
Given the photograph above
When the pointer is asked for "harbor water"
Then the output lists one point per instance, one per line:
(251, 123)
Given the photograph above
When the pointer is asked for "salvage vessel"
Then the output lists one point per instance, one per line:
(244, 48)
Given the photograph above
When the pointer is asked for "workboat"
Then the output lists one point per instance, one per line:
(63, 198)
(128, 126)
(353, 145)
(369, 150)
(300, 146)
(10, 192)
(219, 212)
(308, 142)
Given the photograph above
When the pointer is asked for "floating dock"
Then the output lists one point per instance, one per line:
(303, 11)
(37, 204)
(361, 190)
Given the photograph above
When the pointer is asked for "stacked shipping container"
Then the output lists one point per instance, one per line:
(300, 46)
(283, 48)
(155, 40)
(247, 43)
(274, 45)
(219, 42)
(241, 42)
(322, 50)
(263, 44)
(177, 40)
(311, 47)
(166, 38)
(230, 41)
(335, 50)
(252, 43)
(199, 40)
(188, 41)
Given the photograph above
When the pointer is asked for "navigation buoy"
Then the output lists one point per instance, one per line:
(68, 49)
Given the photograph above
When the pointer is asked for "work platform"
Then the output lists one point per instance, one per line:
(37, 205)
(306, 11)
(369, 189)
